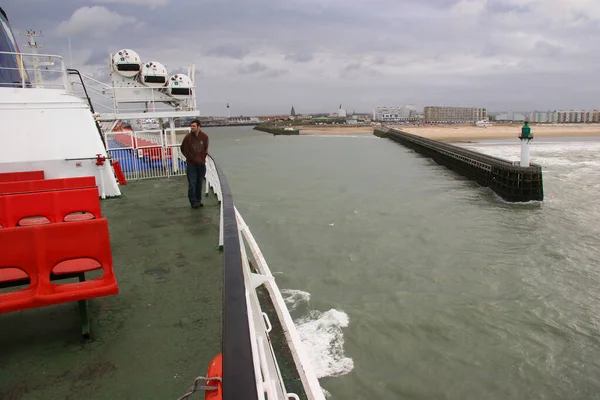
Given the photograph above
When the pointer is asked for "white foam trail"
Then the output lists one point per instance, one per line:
(324, 340)
(322, 336)
(293, 298)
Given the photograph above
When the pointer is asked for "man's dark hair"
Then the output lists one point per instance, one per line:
(196, 121)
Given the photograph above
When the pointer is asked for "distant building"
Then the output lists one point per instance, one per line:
(244, 120)
(362, 117)
(273, 118)
(549, 117)
(510, 116)
(574, 117)
(453, 115)
(543, 116)
(342, 112)
(292, 112)
(322, 120)
(395, 114)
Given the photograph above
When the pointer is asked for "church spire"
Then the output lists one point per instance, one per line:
(293, 112)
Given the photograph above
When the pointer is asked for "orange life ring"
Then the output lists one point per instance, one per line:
(215, 370)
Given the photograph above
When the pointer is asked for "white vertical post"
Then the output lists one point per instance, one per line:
(102, 191)
(22, 68)
(192, 76)
(525, 152)
(174, 150)
(70, 54)
(115, 102)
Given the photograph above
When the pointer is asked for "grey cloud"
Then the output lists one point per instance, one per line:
(501, 6)
(147, 3)
(235, 51)
(98, 56)
(352, 67)
(299, 58)
(260, 69)
(379, 60)
(274, 73)
(252, 68)
(355, 70)
(547, 49)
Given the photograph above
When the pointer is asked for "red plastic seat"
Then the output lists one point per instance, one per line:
(79, 217)
(12, 275)
(56, 206)
(47, 185)
(30, 221)
(78, 266)
(37, 250)
(21, 176)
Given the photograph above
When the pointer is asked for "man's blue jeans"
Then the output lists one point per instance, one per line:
(195, 175)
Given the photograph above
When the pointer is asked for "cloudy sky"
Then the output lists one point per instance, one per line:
(262, 56)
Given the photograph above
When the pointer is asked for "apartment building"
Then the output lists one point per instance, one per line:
(574, 117)
(395, 114)
(453, 115)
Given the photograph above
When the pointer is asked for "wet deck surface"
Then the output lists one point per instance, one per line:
(153, 338)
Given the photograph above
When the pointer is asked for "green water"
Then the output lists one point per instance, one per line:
(423, 285)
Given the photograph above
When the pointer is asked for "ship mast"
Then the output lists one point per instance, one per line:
(37, 74)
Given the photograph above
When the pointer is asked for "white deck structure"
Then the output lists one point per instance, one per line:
(45, 126)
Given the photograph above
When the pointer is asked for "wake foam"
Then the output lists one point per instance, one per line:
(321, 334)
(324, 340)
(295, 298)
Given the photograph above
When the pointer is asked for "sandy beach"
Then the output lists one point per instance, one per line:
(468, 133)
(336, 130)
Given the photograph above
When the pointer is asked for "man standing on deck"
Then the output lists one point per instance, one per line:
(195, 149)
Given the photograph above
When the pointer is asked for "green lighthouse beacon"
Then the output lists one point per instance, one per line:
(526, 132)
(525, 139)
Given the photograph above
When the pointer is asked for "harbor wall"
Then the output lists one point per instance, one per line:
(276, 131)
(509, 180)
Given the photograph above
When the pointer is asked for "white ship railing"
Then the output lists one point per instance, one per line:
(147, 153)
(263, 275)
(37, 71)
(120, 100)
(269, 382)
(98, 92)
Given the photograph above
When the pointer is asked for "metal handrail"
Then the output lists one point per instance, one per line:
(238, 364)
(32, 54)
(72, 71)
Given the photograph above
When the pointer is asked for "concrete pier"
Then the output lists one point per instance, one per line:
(276, 130)
(509, 180)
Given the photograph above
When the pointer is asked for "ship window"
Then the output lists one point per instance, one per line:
(128, 67)
(180, 91)
(155, 79)
(10, 64)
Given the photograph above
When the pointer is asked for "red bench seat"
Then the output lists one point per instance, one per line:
(25, 209)
(70, 267)
(40, 255)
(47, 185)
(21, 176)
(37, 250)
